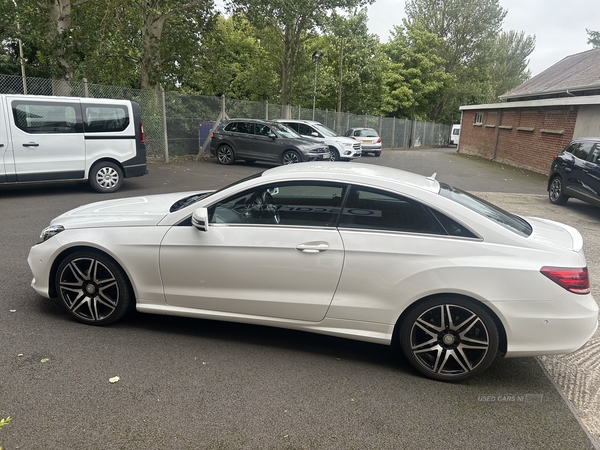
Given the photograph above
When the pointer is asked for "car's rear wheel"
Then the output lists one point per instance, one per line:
(290, 157)
(377, 153)
(105, 177)
(93, 288)
(556, 193)
(449, 339)
(225, 155)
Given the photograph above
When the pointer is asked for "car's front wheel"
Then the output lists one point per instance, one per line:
(290, 157)
(93, 288)
(105, 177)
(225, 155)
(556, 193)
(449, 339)
(334, 155)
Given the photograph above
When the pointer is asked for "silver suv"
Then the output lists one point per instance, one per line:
(340, 147)
(262, 140)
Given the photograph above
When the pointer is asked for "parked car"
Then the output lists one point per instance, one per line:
(575, 172)
(340, 147)
(261, 140)
(351, 250)
(44, 138)
(369, 139)
(455, 134)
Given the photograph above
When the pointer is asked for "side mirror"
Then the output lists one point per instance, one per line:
(200, 219)
(272, 136)
(314, 134)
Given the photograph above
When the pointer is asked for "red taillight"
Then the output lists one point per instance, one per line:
(573, 280)
(212, 135)
(352, 137)
(141, 129)
(378, 140)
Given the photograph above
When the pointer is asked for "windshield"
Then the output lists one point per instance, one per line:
(509, 221)
(324, 130)
(284, 131)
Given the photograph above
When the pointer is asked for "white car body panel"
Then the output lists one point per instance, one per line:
(353, 283)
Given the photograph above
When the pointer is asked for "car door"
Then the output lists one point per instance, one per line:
(272, 251)
(577, 178)
(590, 182)
(47, 137)
(267, 145)
(241, 136)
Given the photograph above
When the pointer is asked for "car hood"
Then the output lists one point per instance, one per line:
(146, 210)
(555, 234)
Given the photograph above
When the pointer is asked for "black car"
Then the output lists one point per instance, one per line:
(262, 140)
(575, 172)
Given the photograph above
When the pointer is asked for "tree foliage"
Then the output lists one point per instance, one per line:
(445, 54)
(593, 38)
(293, 20)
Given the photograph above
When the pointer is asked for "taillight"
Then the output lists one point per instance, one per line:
(378, 140)
(573, 280)
(212, 135)
(141, 130)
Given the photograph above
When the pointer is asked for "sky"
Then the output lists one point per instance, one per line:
(558, 25)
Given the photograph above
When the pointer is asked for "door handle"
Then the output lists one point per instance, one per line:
(313, 247)
(31, 144)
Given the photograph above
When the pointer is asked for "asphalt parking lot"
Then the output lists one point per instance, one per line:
(191, 384)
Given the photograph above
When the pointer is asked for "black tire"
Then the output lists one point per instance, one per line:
(225, 155)
(556, 193)
(335, 156)
(377, 153)
(290, 157)
(106, 177)
(93, 288)
(449, 338)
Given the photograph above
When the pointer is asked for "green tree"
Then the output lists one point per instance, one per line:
(593, 38)
(468, 30)
(417, 76)
(293, 20)
(510, 60)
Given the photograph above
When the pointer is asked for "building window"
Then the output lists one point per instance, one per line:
(478, 118)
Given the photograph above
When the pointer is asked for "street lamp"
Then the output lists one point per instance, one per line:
(316, 56)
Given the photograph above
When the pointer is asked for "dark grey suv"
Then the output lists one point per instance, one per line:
(261, 140)
(575, 172)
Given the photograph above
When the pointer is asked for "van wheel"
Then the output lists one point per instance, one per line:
(106, 177)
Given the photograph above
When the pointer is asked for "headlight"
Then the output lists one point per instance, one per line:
(50, 231)
(348, 144)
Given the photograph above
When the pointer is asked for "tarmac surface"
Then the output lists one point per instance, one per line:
(186, 383)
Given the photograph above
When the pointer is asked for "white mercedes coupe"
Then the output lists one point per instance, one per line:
(358, 251)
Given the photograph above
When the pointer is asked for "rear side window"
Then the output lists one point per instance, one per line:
(40, 117)
(373, 209)
(580, 149)
(105, 118)
(240, 127)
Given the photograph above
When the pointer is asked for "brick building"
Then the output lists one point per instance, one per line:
(537, 119)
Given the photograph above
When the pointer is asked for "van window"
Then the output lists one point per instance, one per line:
(103, 118)
(36, 117)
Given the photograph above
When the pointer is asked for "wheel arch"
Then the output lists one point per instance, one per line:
(69, 251)
(105, 159)
(503, 340)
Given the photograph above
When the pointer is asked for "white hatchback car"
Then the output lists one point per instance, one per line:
(359, 251)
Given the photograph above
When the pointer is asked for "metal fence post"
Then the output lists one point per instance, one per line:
(164, 120)
(86, 92)
(393, 132)
(266, 109)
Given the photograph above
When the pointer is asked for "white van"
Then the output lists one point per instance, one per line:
(68, 138)
(455, 134)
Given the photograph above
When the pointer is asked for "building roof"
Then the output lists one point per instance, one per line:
(576, 74)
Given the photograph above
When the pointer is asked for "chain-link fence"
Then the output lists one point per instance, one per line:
(179, 124)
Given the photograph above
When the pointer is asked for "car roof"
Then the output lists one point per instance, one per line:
(354, 172)
(311, 122)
